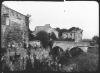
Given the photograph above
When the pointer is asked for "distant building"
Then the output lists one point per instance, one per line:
(75, 35)
(11, 19)
(47, 28)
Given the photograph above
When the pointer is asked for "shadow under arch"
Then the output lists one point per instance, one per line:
(56, 52)
(75, 51)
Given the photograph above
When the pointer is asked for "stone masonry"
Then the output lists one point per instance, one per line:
(11, 19)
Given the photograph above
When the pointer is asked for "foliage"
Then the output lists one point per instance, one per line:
(53, 36)
(96, 39)
(66, 30)
(14, 41)
(14, 34)
(86, 62)
(31, 37)
(74, 28)
(94, 50)
(43, 37)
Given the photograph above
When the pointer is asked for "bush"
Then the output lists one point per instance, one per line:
(96, 39)
(85, 62)
(93, 50)
(43, 37)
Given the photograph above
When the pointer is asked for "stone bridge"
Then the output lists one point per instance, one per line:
(67, 45)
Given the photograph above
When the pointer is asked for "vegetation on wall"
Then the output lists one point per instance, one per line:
(66, 30)
(31, 36)
(14, 34)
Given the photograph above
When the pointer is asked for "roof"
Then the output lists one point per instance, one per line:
(13, 10)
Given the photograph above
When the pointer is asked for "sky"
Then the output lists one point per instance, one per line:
(82, 14)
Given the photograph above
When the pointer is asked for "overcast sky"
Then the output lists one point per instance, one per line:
(82, 14)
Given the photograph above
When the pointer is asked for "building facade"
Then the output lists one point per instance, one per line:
(11, 19)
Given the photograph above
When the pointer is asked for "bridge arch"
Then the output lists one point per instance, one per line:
(75, 51)
(56, 51)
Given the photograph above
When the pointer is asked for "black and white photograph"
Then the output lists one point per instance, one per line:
(47, 36)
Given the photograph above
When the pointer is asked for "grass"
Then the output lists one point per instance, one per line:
(86, 62)
(93, 50)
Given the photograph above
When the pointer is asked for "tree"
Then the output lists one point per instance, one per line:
(74, 28)
(62, 31)
(43, 37)
(96, 39)
(53, 36)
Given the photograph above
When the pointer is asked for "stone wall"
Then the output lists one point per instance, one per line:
(10, 19)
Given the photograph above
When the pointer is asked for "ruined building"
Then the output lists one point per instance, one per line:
(11, 19)
(75, 35)
(46, 28)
